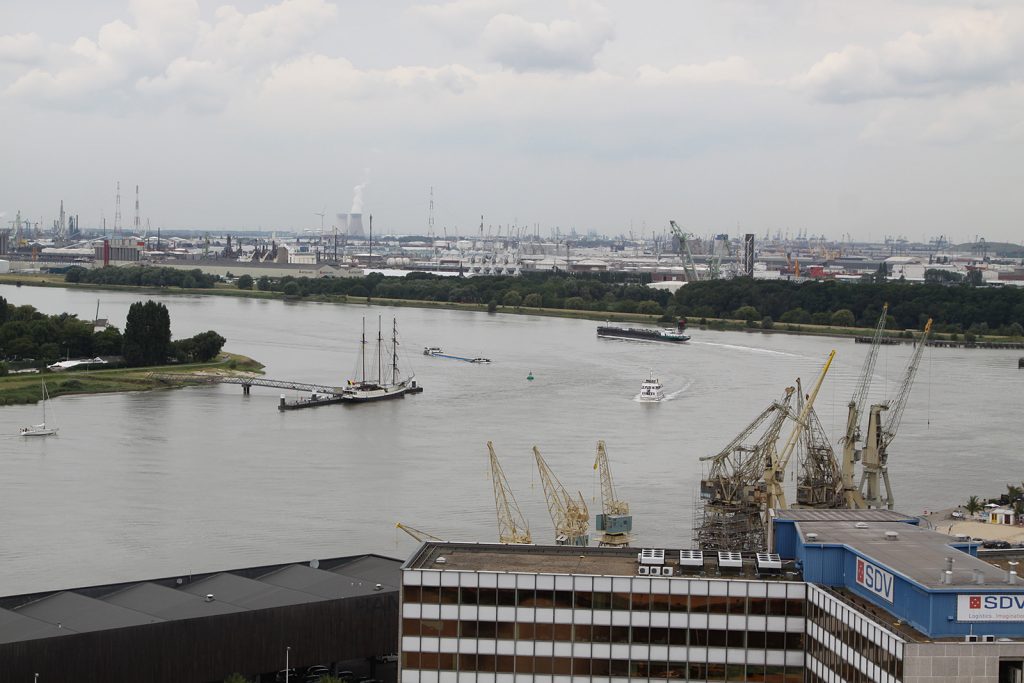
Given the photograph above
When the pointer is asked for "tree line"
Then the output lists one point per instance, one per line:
(34, 339)
(956, 308)
(142, 276)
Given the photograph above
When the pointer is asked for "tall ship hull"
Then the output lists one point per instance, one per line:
(644, 333)
(388, 384)
(366, 394)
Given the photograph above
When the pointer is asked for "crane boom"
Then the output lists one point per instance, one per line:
(689, 267)
(897, 405)
(420, 536)
(776, 467)
(876, 456)
(570, 518)
(851, 495)
(614, 520)
(512, 527)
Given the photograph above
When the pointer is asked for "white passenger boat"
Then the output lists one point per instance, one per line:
(651, 390)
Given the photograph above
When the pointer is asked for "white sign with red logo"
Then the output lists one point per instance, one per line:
(990, 607)
(875, 579)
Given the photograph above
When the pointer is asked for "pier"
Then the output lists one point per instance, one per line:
(947, 343)
(246, 382)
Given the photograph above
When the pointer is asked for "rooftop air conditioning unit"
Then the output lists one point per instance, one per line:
(643, 570)
(988, 639)
(728, 559)
(769, 563)
(861, 525)
(970, 638)
(666, 570)
(692, 559)
(652, 556)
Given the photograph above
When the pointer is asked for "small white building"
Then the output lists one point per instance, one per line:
(1001, 516)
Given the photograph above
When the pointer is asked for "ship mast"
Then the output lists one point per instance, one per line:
(380, 366)
(394, 351)
(362, 352)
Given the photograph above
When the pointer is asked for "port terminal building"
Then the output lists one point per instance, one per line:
(843, 595)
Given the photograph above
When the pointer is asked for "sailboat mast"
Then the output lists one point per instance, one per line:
(394, 351)
(380, 364)
(362, 352)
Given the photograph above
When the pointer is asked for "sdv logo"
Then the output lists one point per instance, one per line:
(875, 579)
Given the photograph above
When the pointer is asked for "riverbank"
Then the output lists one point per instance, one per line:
(944, 522)
(25, 388)
(714, 324)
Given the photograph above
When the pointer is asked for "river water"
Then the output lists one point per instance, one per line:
(160, 483)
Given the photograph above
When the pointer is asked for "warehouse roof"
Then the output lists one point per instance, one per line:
(96, 608)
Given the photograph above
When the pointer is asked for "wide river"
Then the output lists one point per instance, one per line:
(161, 483)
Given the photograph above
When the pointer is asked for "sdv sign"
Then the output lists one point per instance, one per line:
(875, 579)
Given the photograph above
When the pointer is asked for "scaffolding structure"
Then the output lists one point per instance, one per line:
(734, 492)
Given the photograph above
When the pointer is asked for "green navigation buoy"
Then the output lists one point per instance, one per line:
(529, 377)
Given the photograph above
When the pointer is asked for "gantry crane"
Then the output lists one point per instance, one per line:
(734, 490)
(775, 471)
(420, 536)
(875, 455)
(819, 483)
(851, 454)
(569, 515)
(689, 267)
(614, 520)
(512, 527)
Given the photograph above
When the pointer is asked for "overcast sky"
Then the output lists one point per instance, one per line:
(871, 118)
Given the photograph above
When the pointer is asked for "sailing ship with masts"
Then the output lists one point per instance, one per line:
(388, 382)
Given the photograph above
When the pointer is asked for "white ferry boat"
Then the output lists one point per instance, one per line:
(651, 390)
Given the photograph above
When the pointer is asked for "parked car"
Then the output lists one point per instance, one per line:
(956, 514)
(996, 545)
(289, 674)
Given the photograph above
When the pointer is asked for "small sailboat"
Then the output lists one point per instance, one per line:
(41, 429)
(651, 389)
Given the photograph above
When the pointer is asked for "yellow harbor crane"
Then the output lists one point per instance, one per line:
(876, 457)
(569, 515)
(851, 454)
(614, 520)
(512, 526)
(420, 536)
(775, 470)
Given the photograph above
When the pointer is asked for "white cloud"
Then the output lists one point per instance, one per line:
(562, 44)
(462, 20)
(22, 48)
(960, 51)
(167, 49)
(734, 69)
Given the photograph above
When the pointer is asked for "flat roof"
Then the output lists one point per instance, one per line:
(561, 559)
(918, 554)
(854, 515)
(96, 608)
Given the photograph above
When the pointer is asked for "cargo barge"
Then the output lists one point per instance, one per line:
(644, 333)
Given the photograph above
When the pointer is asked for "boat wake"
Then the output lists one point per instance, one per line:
(751, 349)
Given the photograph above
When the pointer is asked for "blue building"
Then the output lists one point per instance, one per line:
(922, 578)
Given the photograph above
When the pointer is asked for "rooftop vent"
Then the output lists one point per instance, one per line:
(892, 535)
(691, 558)
(769, 563)
(812, 537)
(441, 560)
(728, 559)
(651, 556)
(209, 597)
(861, 525)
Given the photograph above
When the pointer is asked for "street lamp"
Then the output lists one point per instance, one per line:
(287, 660)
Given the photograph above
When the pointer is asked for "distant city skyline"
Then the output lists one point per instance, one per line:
(898, 118)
